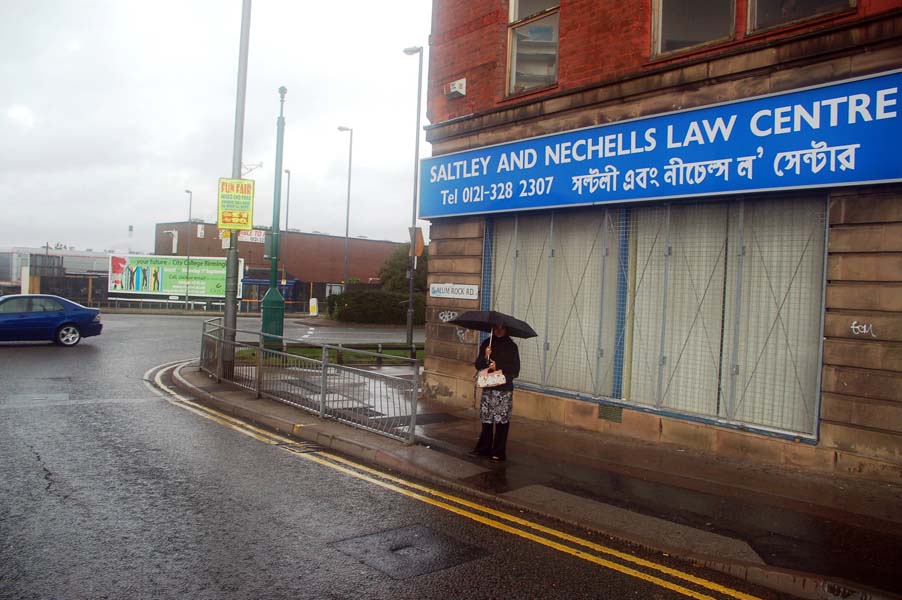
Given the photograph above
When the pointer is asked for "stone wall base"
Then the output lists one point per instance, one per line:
(649, 427)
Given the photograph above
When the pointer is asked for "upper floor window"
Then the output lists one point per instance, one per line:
(685, 24)
(770, 13)
(533, 44)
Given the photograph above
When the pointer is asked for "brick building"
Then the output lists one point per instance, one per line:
(696, 205)
(313, 263)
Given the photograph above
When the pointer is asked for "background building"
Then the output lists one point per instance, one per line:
(677, 301)
(311, 264)
(76, 274)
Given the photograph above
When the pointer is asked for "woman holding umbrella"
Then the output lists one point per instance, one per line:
(497, 353)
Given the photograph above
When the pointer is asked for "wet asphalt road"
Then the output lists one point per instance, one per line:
(110, 491)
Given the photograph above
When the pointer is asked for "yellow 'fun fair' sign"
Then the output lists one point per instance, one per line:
(236, 204)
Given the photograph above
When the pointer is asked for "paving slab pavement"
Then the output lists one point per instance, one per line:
(810, 535)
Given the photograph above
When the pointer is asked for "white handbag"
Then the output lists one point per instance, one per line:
(486, 379)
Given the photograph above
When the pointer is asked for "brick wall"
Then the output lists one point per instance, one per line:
(862, 376)
(307, 256)
(600, 42)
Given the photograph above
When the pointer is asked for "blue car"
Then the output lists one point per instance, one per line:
(44, 317)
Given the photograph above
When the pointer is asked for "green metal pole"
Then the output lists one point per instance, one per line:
(273, 317)
(277, 193)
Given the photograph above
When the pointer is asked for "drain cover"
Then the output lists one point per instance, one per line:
(409, 551)
(301, 447)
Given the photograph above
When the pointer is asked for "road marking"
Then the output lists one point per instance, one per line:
(549, 531)
(375, 477)
(160, 369)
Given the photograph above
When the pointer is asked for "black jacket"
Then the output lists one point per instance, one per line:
(506, 357)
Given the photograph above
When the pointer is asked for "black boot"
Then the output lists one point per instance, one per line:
(499, 447)
(484, 444)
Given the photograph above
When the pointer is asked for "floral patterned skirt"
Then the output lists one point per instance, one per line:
(495, 406)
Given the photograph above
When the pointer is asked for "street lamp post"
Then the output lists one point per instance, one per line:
(344, 281)
(287, 197)
(273, 309)
(230, 315)
(412, 259)
(188, 259)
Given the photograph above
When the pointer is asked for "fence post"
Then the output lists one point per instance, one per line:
(411, 436)
(259, 380)
(219, 349)
(203, 344)
(322, 393)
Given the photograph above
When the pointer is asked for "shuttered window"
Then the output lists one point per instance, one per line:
(711, 309)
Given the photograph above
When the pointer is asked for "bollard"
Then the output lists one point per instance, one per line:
(379, 359)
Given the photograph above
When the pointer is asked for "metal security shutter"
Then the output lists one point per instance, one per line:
(694, 309)
(504, 254)
(772, 346)
(648, 248)
(581, 277)
(529, 279)
(711, 309)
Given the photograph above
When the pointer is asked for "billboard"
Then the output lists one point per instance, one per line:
(168, 275)
(843, 133)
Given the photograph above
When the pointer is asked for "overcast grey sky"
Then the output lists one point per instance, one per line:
(110, 109)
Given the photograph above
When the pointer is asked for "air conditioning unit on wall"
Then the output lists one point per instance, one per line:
(456, 89)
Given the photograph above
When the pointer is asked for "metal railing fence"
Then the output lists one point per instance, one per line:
(199, 305)
(370, 390)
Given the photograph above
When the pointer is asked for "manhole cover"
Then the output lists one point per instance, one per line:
(409, 551)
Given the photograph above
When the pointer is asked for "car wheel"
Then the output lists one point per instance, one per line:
(68, 335)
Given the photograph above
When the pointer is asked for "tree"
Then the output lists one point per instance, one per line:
(393, 271)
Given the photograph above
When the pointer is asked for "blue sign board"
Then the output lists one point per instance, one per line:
(838, 134)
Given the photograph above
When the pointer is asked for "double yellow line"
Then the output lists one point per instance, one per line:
(625, 563)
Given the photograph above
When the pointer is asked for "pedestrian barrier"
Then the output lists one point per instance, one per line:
(369, 390)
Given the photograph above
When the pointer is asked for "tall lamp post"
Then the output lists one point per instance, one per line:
(344, 281)
(287, 198)
(230, 316)
(273, 310)
(412, 259)
(188, 259)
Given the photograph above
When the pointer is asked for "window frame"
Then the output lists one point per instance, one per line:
(512, 26)
(658, 32)
(751, 16)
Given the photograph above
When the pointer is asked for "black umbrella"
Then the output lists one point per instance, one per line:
(484, 320)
